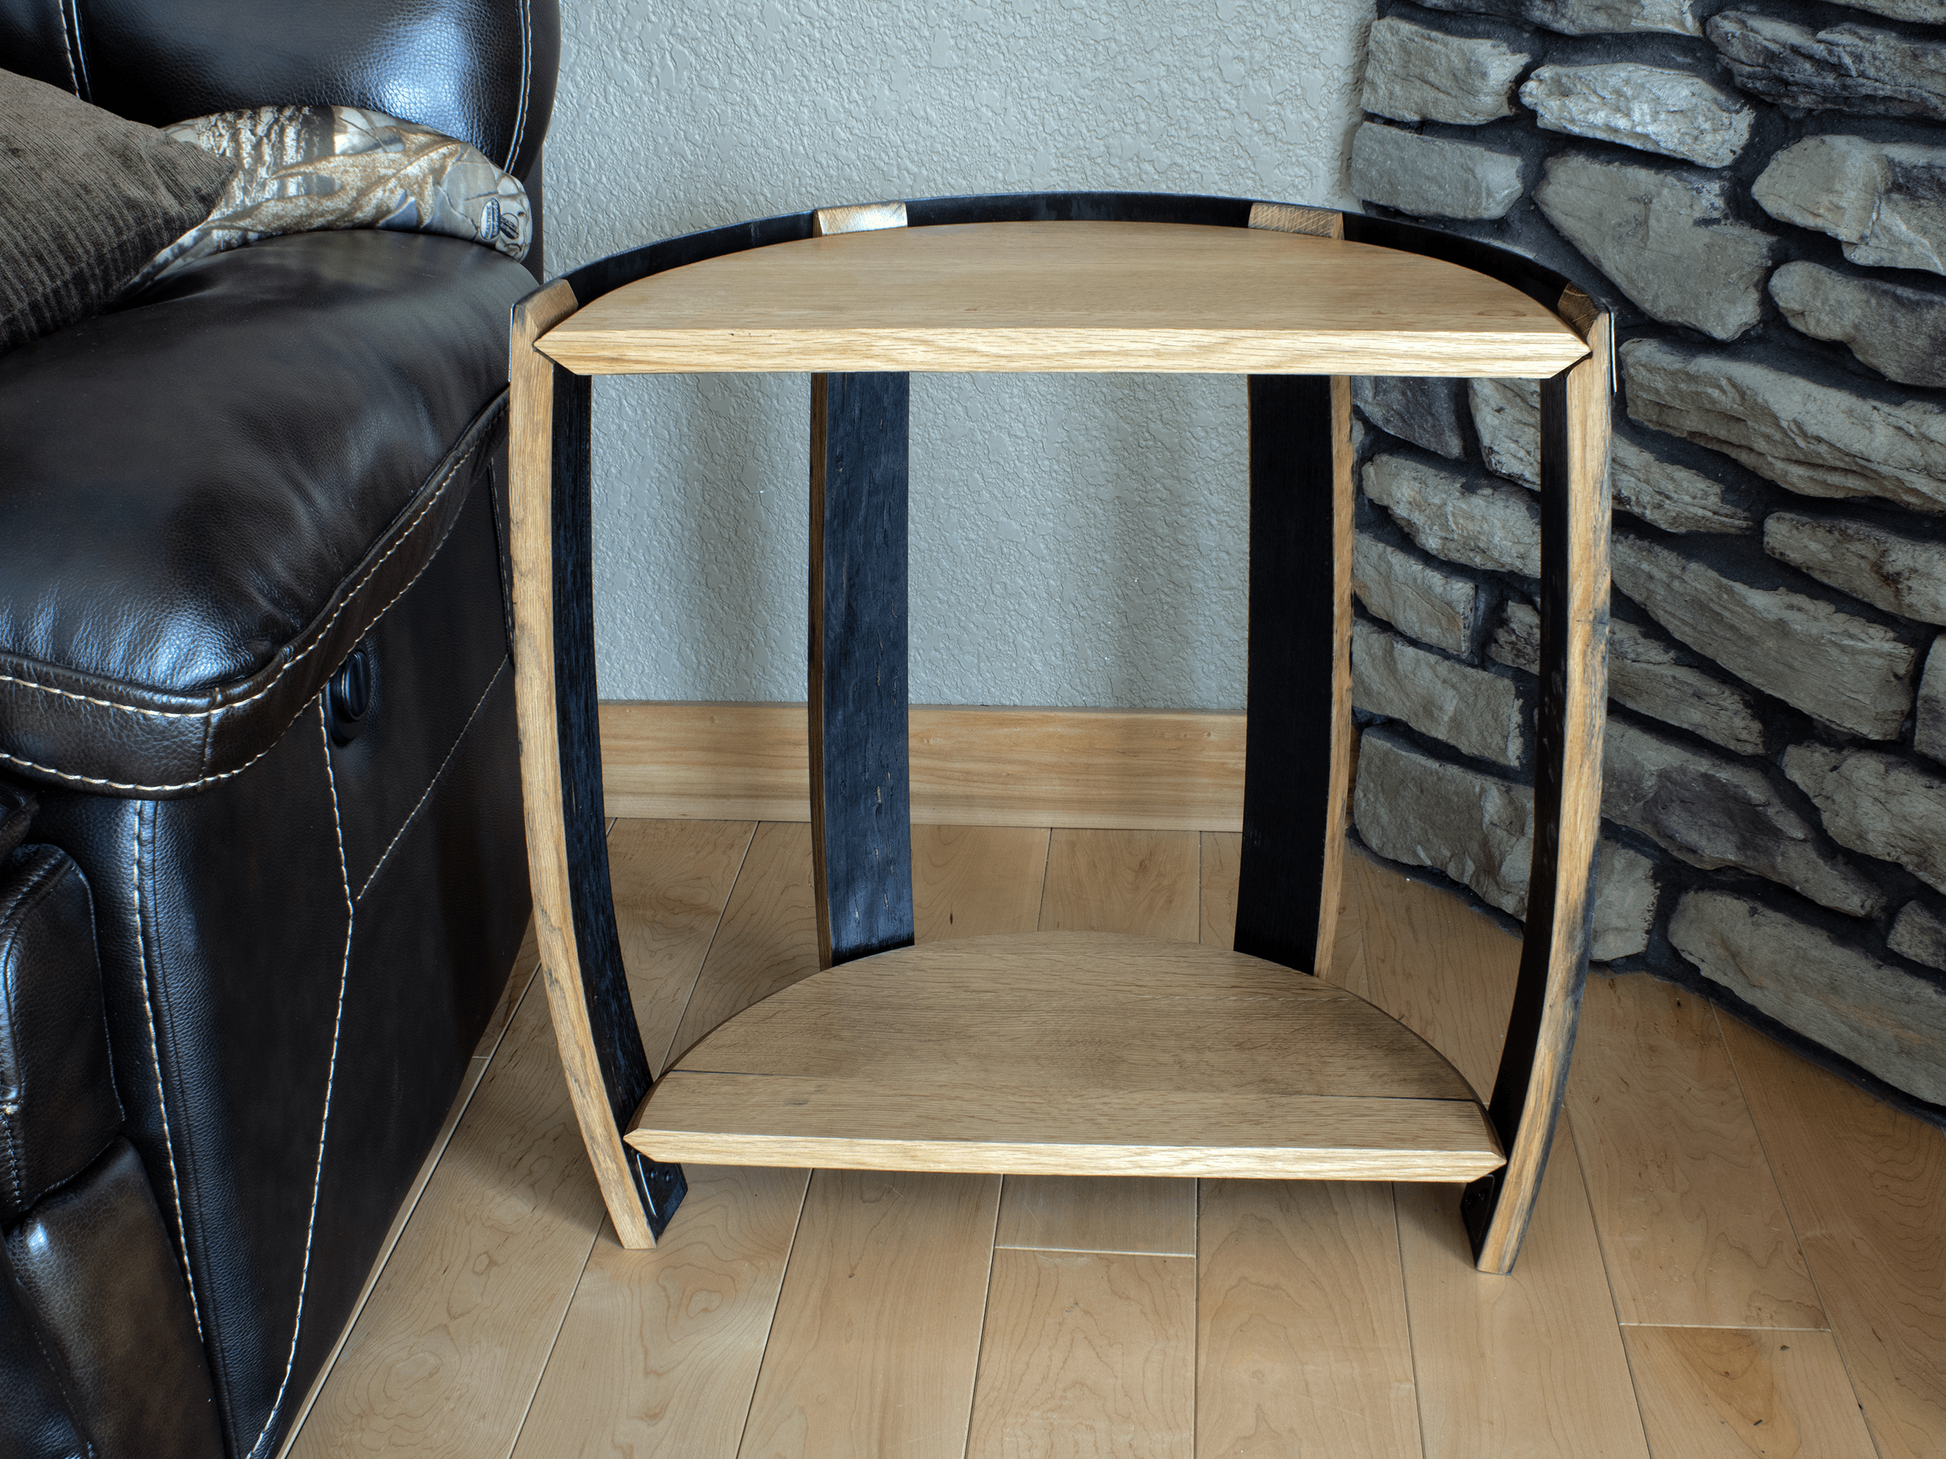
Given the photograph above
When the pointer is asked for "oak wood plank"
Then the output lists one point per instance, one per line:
(450, 1346)
(1865, 1186)
(658, 1355)
(1527, 1364)
(1069, 296)
(1176, 770)
(1693, 1230)
(1303, 1344)
(768, 938)
(672, 880)
(1138, 882)
(1086, 1353)
(1096, 1213)
(877, 1333)
(971, 881)
(1725, 1393)
(1218, 855)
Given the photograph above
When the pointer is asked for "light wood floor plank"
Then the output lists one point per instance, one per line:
(450, 1346)
(671, 880)
(768, 938)
(1692, 1228)
(1524, 1365)
(877, 1334)
(1086, 1354)
(1141, 882)
(1721, 1393)
(968, 881)
(659, 1354)
(1866, 1189)
(1221, 853)
(1302, 1336)
(1099, 1213)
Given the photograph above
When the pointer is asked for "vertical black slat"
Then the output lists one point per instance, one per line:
(1287, 740)
(861, 831)
(604, 984)
(1550, 746)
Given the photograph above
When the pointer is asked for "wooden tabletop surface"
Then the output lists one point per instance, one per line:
(1077, 296)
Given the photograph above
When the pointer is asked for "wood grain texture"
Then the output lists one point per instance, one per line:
(532, 465)
(1303, 1345)
(1098, 1213)
(1132, 769)
(1071, 296)
(972, 881)
(659, 1353)
(1693, 1231)
(768, 938)
(877, 1334)
(857, 218)
(1288, 218)
(1865, 1186)
(671, 880)
(1216, 921)
(1086, 1354)
(1721, 1393)
(451, 1344)
(1524, 1366)
(1144, 883)
(1569, 722)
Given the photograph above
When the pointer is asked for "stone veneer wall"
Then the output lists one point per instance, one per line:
(1759, 188)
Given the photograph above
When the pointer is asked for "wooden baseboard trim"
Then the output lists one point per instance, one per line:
(1108, 768)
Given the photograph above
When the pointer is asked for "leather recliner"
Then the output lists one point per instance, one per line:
(262, 873)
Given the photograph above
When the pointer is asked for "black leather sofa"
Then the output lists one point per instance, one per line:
(261, 865)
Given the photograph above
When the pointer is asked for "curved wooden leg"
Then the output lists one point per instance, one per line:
(1297, 747)
(560, 771)
(861, 824)
(1533, 1073)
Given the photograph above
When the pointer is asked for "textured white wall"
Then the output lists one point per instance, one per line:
(1075, 540)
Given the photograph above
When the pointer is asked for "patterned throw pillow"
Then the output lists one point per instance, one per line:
(304, 168)
(85, 199)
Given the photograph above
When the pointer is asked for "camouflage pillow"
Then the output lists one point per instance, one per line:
(304, 168)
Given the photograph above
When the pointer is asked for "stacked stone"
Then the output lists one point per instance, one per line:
(1758, 188)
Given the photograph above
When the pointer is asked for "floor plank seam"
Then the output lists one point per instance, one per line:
(1608, 1280)
(1411, 1342)
(560, 1323)
(783, 1275)
(986, 1304)
(669, 1053)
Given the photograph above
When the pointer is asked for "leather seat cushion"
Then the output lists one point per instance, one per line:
(212, 493)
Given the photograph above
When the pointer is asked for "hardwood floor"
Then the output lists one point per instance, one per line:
(1735, 1253)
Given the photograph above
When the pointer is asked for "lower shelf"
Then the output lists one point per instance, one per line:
(1070, 1054)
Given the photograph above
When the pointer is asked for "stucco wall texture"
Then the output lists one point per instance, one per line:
(1076, 540)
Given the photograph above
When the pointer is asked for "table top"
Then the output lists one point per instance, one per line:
(1071, 296)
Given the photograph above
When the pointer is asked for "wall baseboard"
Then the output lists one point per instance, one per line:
(1109, 768)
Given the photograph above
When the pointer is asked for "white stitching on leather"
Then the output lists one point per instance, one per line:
(297, 658)
(80, 51)
(155, 1057)
(526, 79)
(330, 1078)
(452, 750)
(74, 77)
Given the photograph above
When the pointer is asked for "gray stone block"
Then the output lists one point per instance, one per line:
(1431, 177)
(1929, 737)
(1476, 712)
(1587, 17)
(1712, 812)
(1650, 108)
(1478, 523)
(1878, 803)
(1669, 496)
(1877, 1015)
(1901, 574)
(1885, 201)
(1652, 678)
(1897, 330)
(1422, 409)
(1919, 933)
(1816, 440)
(1669, 239)
(1435, 607)
(1625, 898)
(1836, 666)
(1477, 829)
(1415, 74)
(1507, 418)
(1848, 67)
